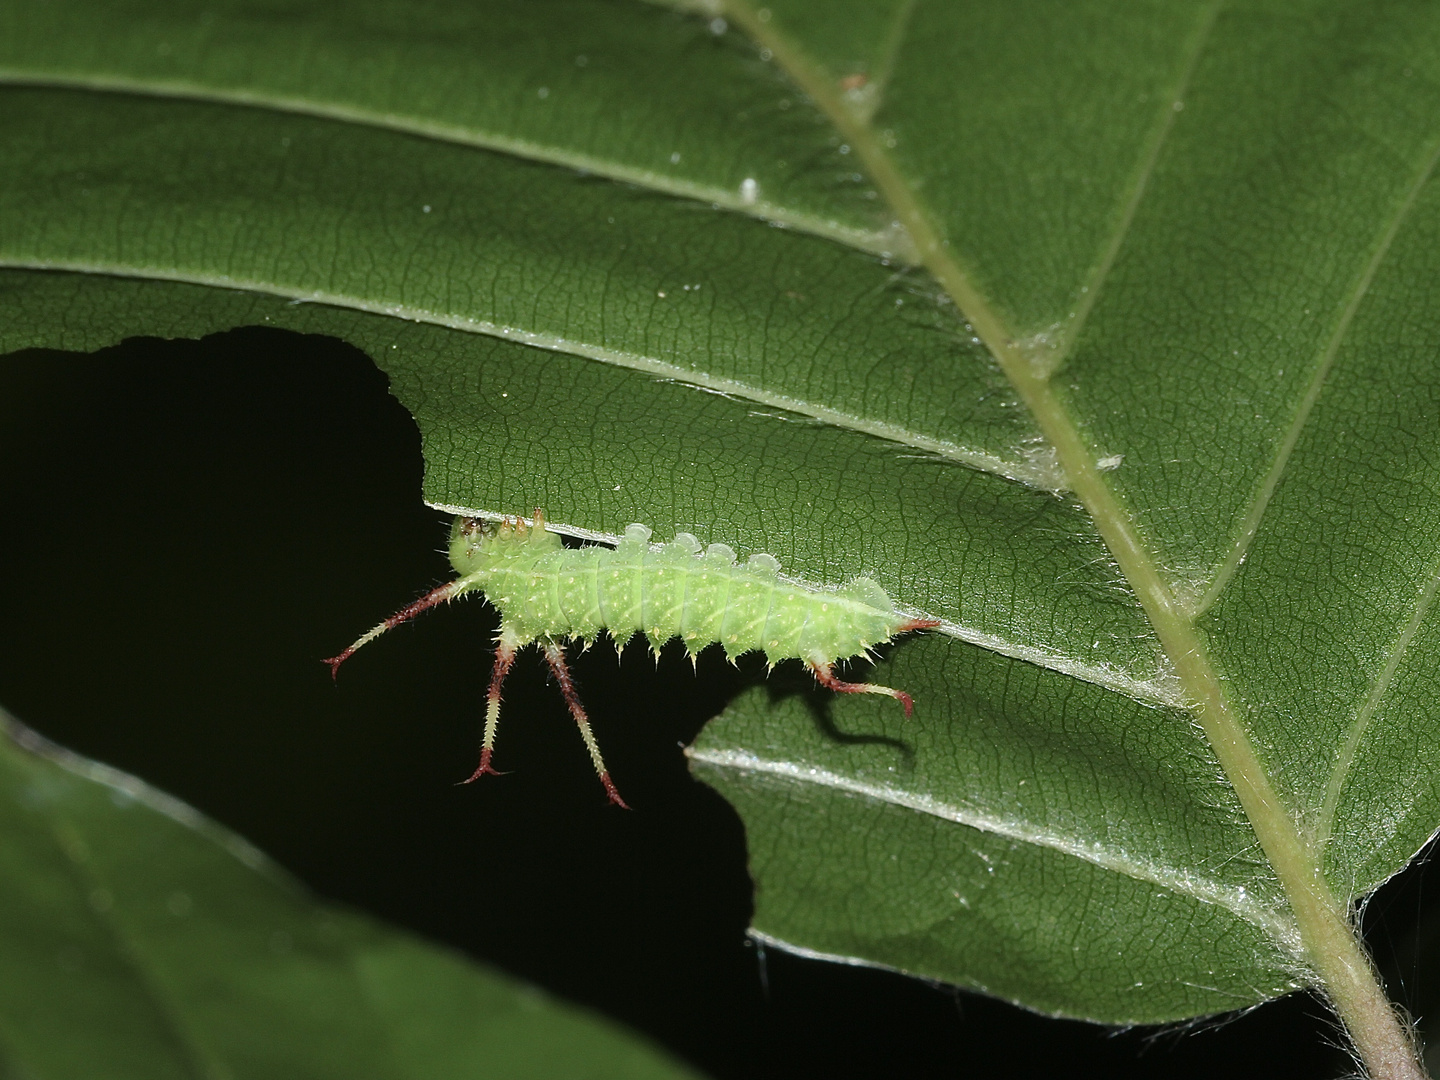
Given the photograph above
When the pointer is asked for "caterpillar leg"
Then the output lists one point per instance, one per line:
(436, 596)
(555, 657)
(504, 657)
(825, 676)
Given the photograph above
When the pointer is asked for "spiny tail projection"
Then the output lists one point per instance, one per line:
(548, 594)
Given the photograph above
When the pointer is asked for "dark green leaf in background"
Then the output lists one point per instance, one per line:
(139, 939)
(1212, 230)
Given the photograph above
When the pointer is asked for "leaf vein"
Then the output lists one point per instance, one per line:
(1345, 759)
(1149, 160)
(1032, 472)
(1235, 899)
(886, 243)
(879, 82)
(1249, 524)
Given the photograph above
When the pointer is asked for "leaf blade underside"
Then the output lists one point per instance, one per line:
(1242, 274)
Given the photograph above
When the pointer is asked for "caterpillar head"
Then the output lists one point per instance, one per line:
(476, 545)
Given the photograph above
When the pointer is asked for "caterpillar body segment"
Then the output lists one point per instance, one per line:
(549, 594)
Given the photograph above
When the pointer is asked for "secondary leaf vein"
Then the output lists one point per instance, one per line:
(1345, 759)
(872, 94)
(886, 243)
(1249, 525)
(1031, 471)
(1054, 358)
(1235, 899)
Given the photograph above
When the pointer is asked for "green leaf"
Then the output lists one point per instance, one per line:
(138, 934)
(1009, 832)
(1173, 258)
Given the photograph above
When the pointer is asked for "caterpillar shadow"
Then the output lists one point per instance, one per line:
(792, 680)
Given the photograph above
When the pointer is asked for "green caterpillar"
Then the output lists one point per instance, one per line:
(547, 593)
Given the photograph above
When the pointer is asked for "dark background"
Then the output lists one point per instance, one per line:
(188, 527)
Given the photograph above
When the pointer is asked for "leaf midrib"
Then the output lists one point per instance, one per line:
(1327, 944)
